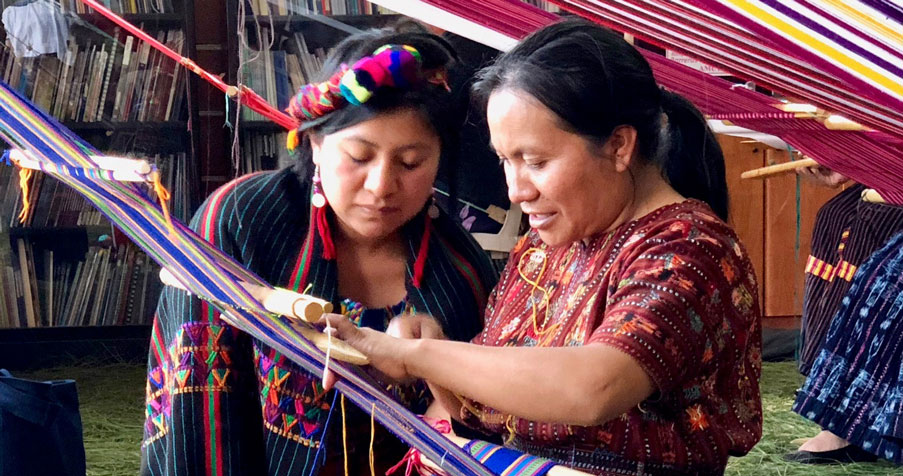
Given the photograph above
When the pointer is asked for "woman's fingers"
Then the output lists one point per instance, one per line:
(385, 353)
(329, 379)
(342, 327)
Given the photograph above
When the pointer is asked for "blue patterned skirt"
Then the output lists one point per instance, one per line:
(855, 388)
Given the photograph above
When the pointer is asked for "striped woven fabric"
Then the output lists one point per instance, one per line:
(714, 33)
(709, 31)
(207, 271)
(508, 462)
(843, 270)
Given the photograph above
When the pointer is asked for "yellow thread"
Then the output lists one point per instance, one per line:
(308, 288)
(344, 436)
(292, 140)
(163, 196)
(509, 425)
(372, 438)
(328, 331)
(469, 407)
(24, 176)
(538, 331)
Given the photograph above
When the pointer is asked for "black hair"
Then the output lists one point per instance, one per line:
(695, 164)
(594, 81)
(436, 104)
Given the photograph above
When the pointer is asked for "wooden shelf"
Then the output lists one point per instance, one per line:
(260, 126)
(130, 126)
(38, 347)
(68, 242)
(92, 231)
(295, 22)
(162, 20)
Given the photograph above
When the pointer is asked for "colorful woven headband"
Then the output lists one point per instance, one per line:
(398, 66)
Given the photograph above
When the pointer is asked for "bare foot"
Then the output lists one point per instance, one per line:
(824, 441)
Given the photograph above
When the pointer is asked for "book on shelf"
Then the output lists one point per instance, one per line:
(265, 151)
(110, 286)
(43, 285)
(319, 7)
(119, 6)
(277, 73)
(544, 4)
(103, 78)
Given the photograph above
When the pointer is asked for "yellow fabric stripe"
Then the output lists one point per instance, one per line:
(828, 273)
(811, 263)
(890, 36)
(848, 271)
(841, 57)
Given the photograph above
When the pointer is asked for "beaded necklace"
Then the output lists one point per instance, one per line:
(536, 257)
(376, 317)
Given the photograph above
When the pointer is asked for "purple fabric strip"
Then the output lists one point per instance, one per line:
(893, 10)
(855, 84)
(811, 24)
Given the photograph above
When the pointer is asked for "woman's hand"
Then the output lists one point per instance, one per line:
(386, 353)
(415, 326)
(822, 176)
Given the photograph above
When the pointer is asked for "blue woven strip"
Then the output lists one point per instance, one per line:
(508, 462)
(207, 271)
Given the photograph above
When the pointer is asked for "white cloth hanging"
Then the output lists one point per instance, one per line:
(35, 29)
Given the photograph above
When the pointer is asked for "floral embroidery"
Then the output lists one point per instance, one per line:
(654, 289)
(698, 420)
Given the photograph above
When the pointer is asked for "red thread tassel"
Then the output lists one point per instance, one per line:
(322, 223)
(413, 460)
(420, 264)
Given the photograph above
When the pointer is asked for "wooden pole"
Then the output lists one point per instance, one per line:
(301, 307)
(276, 300)
(872, 196)
(778, 169)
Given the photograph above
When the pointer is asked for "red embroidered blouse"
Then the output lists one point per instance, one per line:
(674, 290)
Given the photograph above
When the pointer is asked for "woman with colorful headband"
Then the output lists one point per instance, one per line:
(624, 335)
(351, 222)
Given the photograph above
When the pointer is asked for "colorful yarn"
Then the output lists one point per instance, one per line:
(397, 66)
(318, 99)
(507, 462)
(293, 140)
(391, 65)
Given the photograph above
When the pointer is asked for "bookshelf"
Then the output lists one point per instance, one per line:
(67, 278)
(287, 40)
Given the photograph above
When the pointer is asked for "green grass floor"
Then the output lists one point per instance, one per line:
(781, 426)
(112, 408)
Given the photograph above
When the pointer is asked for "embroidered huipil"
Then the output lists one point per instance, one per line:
(675, 291)
(222, 403)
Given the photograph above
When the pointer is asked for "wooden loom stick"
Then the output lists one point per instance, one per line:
(305, 309)
(872, 196)
(777, 169)
(124, 169)
(557, 470)
(276, 300)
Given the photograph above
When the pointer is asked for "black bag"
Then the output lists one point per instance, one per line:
(40, 428)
